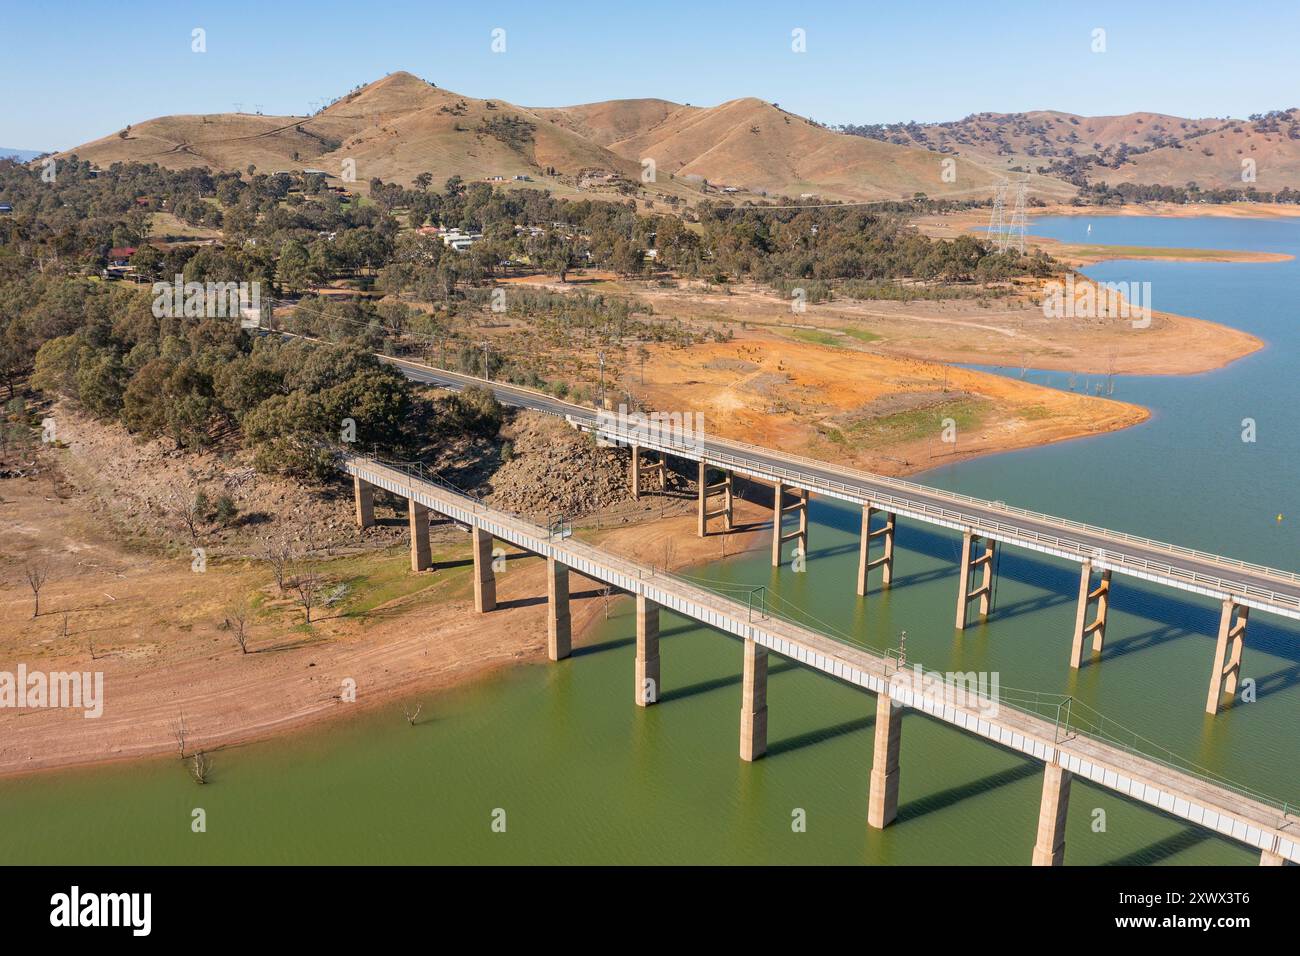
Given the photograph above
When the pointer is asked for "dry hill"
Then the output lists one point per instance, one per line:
(1147, 148)
(401, 126)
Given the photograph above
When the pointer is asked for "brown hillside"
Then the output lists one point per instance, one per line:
(401, 126)
(613, 120)
(754, 144)
(1214, 160)
(1036, 138)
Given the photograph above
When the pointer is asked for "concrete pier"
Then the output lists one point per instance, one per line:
(702, 513)
(970, 563)
(886, 560)
(1097, 628)
(647, 651)
(485, 579)
(639, 471)
(559, 629)
(417, 519)
(753, 703)
(882, 804)
(635, 475)
(1270, 859)
(1227, 654)
(364, 495)
(706, 491)
(779, 509)
(1049, 847)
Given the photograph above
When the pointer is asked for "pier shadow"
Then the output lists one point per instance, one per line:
(799, 741)
(1273, 683)
(615, 643)
(717, 683)
(1162, 850)
(1136, 643)
(611, 645)
(1173, 614)
(535, 599)
(944, 799)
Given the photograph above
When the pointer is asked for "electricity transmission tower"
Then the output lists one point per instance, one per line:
(1006, 234)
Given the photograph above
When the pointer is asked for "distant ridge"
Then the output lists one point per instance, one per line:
(22, 155)
(401, 126)
(1139, 148)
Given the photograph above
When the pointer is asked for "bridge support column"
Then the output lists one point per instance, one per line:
(865, 563)
(485, 579)
(1227, 654)
(1049, 847)
(636, 472)
(753, 703)
(559, 631)
(1087, 595)
(706, 491)
(1269, 858)
(647, 651)
(968, 564)
(779, 510)
(702, 522)
(882, 804)
(640, 471)
(417, 518)
(363, 493)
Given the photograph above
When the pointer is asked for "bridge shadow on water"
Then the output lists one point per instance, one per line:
(615, 643)
(1162, 850)
(821, 735)
(1175, 614)
(717, 683)
(944, 799)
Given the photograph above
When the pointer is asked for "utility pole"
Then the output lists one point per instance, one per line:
(487, 369)
(601, 357)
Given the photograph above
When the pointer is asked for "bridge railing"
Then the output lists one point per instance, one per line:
(1073, 719)
(1117, 559)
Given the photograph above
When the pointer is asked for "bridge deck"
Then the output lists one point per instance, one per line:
(1256, 586)
(1177, 792)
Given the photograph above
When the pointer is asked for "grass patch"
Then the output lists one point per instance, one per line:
(836, 340)
(919, 423)
(816, 337)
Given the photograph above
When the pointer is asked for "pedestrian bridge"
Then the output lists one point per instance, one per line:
(1047, 728)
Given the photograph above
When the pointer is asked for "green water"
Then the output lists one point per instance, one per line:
(583, 775)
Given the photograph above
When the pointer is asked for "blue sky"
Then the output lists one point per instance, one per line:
(77, 70)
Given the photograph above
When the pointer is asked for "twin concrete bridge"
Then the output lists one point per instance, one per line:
(1039, 728)
(983, 525)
